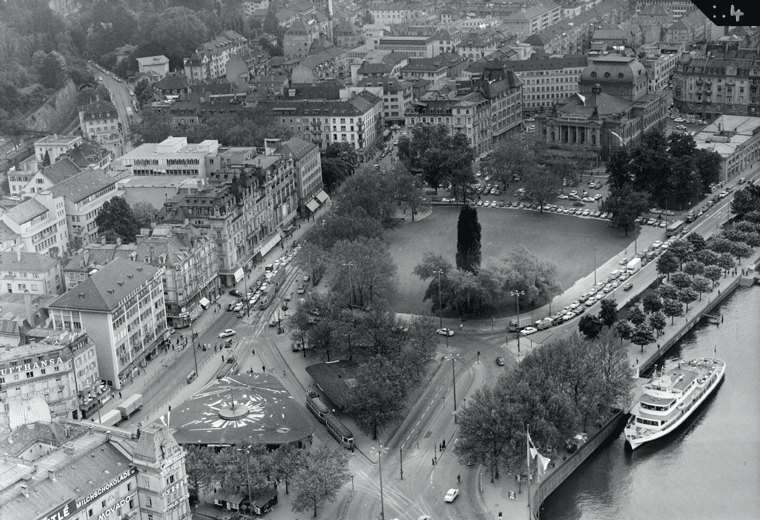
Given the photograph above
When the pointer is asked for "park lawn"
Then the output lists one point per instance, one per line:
(565, 240)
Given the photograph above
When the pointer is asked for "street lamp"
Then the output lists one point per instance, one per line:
(517, 294)
(247, 473)
(594, 266)
(440, 300)
(192, 344)
(454, 383)
(380, 452)
(350, 281)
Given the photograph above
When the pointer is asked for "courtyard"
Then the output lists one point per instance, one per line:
(565, 240)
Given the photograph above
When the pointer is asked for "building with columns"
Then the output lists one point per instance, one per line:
(611, 109)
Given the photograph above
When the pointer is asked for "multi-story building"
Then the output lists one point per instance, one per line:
(88, 261)
(84, 195)
(486, 110)
(410, 45)
(718, 83)
(59, 367)
(475, 46)
(548, 79)
(330, 63)
(99, 122)
(122, 308)
(53, 146)
(37, 225)
(357, 120)
(736, 139)
(45, 178)
(307, 164)
(33, 272)
(172, 156)
(692, 27)
(532, 19)
(396, 13)
(677, 7)
(660, 61)
(84, 471)
(210, 59)
(397, 95)
(435, 69)
(611, 110)
(242, 209)
(346, 35)
(298, 39)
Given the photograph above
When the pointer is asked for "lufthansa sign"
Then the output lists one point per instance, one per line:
(74, 506)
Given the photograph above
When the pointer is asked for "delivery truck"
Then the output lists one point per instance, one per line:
(633, 266)
(130, 405)
(514, 325)
(111, 418)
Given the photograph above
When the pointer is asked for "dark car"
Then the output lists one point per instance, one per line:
(500, 361)
(628, 286)
(578, 203)
(230, 306)
(235, 292)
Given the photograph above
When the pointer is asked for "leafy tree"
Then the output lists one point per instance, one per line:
(378, 396)
(642, 335)
(608, 312)
(700, 284)
(726, 262)
(334, 172)
(697, 242)
(438, 154)
(145, 214)
(651, 302)
(514, 156)
(708, 166)
(356, 225)
(636, 315)
(51, 68)
(409, 190)
(116, 217)
(657, 321)
(590, 326)
(525, 271)
(46, 159)
(286, 461)
(624, 330)
(367, 18)
(468, 240)
(746, 200)
(143, 91)
(741, 250)
(667, 263)
(706, 257)
(179, 31)
(693, 268)
(199, 467)
(369, 190)
(619, 169)
(713, 273)
(373, 273)
(681, 280)
(626, 205)
(672, 308)
(687, 295)
(681, 249)
(325, 471)
(684, 182)
(542, 185)
(719, 244)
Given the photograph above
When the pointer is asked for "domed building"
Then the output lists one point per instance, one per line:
(612, 108)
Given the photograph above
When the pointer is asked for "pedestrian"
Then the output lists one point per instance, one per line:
(119, 395)
(460, 327)
(263, 369)
(222, 357)
(253, 352)
(444, 443)
(433, 461)
(459, 479)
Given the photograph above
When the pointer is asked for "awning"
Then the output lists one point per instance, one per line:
(204, 302)
(322, 197)
(269, 245)
(312, 206)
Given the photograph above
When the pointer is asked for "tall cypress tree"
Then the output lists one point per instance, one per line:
(468, 240)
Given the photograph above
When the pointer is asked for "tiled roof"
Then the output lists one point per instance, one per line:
(389, 84)
(315, 60)
(99, 255)
(153, 60)
(61, 170)
(298, 148)
(86, 154)
(26, 211)
(32, 262)
(81, 186)
(172, 82)
(104, 290)
(548, 62)
(100, 110)
(605, 105)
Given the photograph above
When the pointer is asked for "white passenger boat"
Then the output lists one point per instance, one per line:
(671, 397)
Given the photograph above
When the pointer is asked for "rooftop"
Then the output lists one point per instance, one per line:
(26, 211)
(298, 148)
(105, 290)
(727, 133)
(61, 170)
(23, 261)
(83, 185)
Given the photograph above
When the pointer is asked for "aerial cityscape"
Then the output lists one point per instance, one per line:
(379, 260)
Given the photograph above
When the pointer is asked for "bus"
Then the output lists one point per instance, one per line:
(338, 430)
(317, 407)
(674, 228)
(266, 299)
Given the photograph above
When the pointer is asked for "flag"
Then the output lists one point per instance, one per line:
(543, 462)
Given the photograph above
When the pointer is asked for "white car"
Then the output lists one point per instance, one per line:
(527, 331)
(451, 495)
(226, 333)
(657, 244)
(445, 332)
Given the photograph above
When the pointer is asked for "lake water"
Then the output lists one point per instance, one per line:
(710, 467)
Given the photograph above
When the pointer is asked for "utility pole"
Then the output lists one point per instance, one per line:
(517, 294)
(440, 300)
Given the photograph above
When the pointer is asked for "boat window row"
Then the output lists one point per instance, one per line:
(647, 422)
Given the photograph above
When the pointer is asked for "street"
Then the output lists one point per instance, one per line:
(122, 100)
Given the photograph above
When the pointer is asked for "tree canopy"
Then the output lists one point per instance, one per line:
(468, 240)
(116, 219)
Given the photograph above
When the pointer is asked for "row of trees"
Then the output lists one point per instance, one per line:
(316, 475)
(556, 390)
(354, 320)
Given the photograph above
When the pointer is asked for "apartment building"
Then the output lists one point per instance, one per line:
(660, 61)
(396, 94)
(396, 13)
(357, 120)
(532, 19)
(678, 8)
(436, 69)
(33, 272)
(58, 367)
(99, 122)
(37, 225)
(210, 59)
(548, 79)
(27, 186)
(84, 195)
(691, 27)
(54, 146)
(411, 46)
(307, 164)
(157, 66)
(172, 156)
(122, 308)
(329, 63)
(298, 39)
(718, 83)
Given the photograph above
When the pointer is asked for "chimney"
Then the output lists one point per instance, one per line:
(25, 490)
(86, 257)
(51, 474)
(28, 307)
(68, 448)
(102, 241)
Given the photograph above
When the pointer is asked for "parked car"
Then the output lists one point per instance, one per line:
(628, 286)
(226, 333)
(527, 331)
(445, 332)
(235, 292)
(500, 361)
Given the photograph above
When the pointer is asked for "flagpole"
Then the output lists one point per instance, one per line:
(527, 441)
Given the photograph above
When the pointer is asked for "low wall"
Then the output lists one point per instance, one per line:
(569, 465)
(57, 112)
